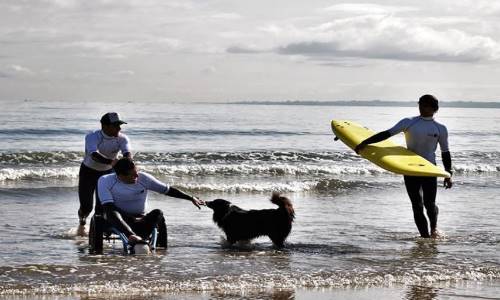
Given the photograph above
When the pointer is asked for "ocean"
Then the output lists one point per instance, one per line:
(353, 238)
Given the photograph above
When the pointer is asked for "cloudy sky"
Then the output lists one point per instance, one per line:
(227, 50)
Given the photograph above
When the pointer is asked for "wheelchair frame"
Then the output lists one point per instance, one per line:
(100, 230)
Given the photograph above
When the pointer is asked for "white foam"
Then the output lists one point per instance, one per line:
(262, 169)
(73, 233)
(294, 186)
(38, 173)
(247, 281)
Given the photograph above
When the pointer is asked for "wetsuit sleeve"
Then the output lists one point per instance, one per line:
(173, 192)
(446, 157)
(114, 217)
(104, 191)
(153, 184)
(383, 135)
(377, 138)
(125, 146)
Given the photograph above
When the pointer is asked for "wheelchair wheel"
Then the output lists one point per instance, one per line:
(96, 234)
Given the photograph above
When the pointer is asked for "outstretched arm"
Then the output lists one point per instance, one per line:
(173, 192)
(383, 135)
(160, 187)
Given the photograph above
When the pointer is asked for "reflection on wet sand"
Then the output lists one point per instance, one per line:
(271, 294)
(424, 248)
(264, 294)
(419, 292)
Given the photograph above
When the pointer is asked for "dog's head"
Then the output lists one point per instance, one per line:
(220, 208)
(218, 205)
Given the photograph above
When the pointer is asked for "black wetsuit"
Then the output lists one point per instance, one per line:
(422, 193)
(87, 185)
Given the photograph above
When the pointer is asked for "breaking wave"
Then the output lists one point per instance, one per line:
(105, 282)
(234, 171)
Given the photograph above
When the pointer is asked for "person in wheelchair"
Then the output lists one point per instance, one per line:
(123, 196)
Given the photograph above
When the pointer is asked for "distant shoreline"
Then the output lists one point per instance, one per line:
(372, 103)
(461, 104)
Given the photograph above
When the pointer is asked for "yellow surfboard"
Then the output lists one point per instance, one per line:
(386, 154)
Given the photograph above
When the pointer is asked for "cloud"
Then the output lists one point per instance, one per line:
(209, 70)
(63, 3)
(97, 5)
(15, 70)
(226, 16)
(245, 50)
(125, 73)
(123, 49)
(377, 37)
(368, 8)
(21, 70)
(468, 7)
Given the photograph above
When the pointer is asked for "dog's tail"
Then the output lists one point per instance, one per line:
(284, 202)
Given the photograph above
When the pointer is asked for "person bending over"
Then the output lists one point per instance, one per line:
(422, 134)
(101, 151)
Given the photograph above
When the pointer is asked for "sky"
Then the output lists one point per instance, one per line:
(227, 50)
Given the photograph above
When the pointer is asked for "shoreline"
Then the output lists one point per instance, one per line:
(486, 289)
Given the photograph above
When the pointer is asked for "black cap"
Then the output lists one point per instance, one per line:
(430, 100)
(112, 118)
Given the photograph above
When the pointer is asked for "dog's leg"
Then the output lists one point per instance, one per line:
(278, 241)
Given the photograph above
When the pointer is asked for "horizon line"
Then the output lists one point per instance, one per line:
(402, 103)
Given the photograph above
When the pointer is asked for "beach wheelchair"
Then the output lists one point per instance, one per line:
(101, 230)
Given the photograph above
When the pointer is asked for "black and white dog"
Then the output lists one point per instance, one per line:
(244, 225)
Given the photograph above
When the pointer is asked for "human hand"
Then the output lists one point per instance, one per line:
(198, 202)
(447, 183)
(134, 238)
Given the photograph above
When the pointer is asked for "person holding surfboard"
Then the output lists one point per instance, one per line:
(422, 134)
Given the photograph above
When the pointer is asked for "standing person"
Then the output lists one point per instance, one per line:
(124, 196)
(422, 134)
(101, 152)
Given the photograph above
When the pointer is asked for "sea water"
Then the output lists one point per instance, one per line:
(354, 227)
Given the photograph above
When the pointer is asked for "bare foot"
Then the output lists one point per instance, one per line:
(435, 234)
(80, 231)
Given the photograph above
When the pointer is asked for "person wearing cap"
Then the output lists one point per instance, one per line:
(123, 195)
(101, 152)
(422, 134)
